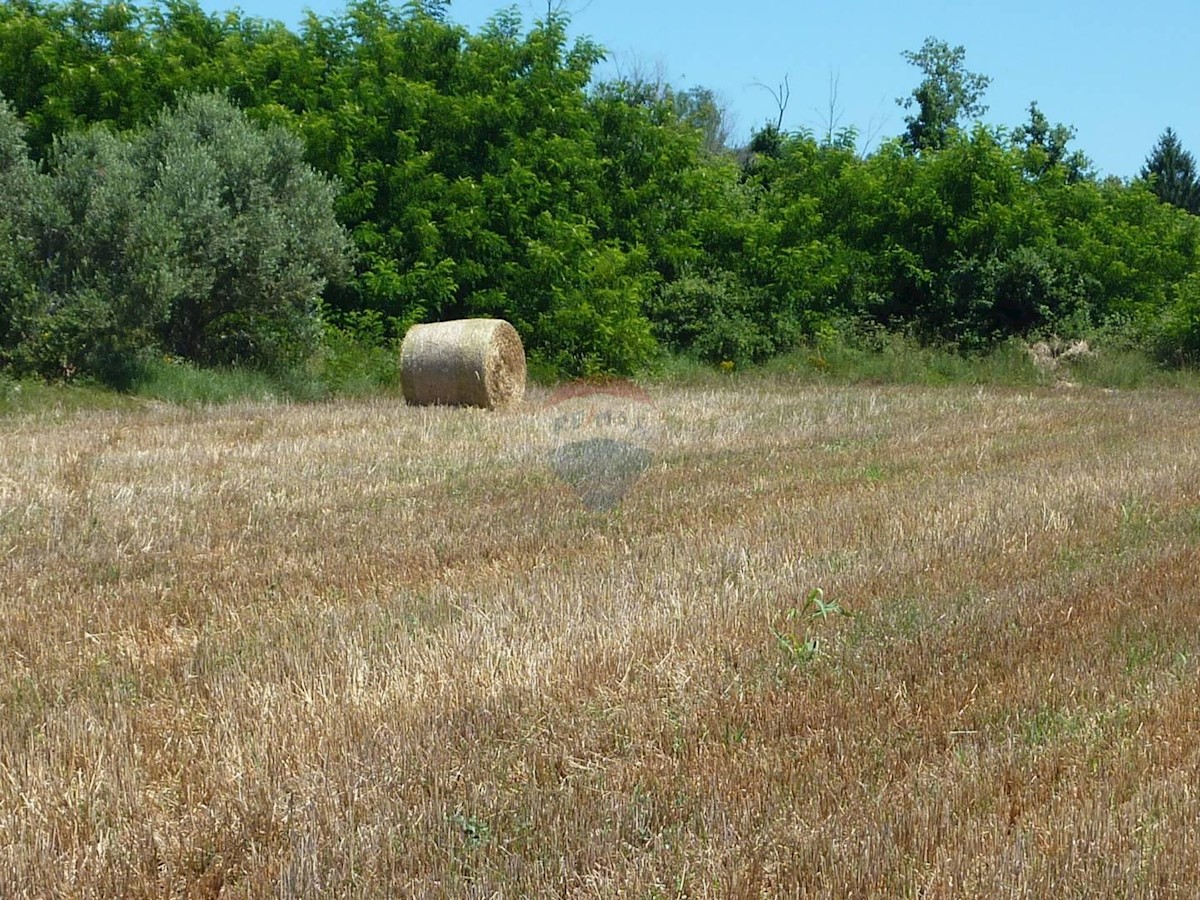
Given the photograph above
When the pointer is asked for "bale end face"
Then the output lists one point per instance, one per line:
(467, 362)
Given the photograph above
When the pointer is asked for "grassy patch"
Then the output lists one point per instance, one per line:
(184, 384)
(1120, 368)
(33, 396)
(350, 368)
(896, 359)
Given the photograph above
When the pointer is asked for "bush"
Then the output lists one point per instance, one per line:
(23, 190)
(1177, 335)
(205, 237)
(257, 241)
(1008, 294)
(106, 282)
(356, 356)
(596, 325)
(711, 316)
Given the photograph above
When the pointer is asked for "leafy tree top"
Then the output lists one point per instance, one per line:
(1045, 147)
(947, 95)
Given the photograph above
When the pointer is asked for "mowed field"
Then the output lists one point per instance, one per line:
(835, 641)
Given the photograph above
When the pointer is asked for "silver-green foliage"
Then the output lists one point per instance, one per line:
(256, 236)
(21, 189)
(104, 260)
(203, 237)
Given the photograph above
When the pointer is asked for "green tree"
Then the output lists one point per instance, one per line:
(487, 174)
(700, 108)
(481, 175)
(715, 317)
(25, 197)
(793, 254)
(475, 184)
(1045, 146)
(203, 236)
(106, 283)
(959, 245)
(65, 65)
(947, 95)
(1171, 172)
(256, 236)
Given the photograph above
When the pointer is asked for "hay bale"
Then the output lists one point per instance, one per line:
(468, 362)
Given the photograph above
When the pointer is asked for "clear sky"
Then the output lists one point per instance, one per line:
(1118, 72)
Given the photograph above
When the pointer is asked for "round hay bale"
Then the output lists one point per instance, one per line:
(467, 362)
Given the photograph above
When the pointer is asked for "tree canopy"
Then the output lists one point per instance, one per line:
(1171, 172)
(222, 189)
(947, 95)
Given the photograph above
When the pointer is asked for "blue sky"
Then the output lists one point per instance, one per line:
(1118, 72)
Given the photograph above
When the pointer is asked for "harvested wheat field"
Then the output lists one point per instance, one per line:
(896, 642)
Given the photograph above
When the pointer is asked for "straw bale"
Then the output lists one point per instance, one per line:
(467, 362)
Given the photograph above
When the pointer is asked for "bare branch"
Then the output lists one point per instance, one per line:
(781, 96)
(559, 7)
(832, 116)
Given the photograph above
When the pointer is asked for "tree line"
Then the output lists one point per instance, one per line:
(221, 189)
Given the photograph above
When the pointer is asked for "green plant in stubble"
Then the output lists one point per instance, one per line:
(799, 645)
(475, 831)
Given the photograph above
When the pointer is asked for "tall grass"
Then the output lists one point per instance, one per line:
(897, 359)
(184, 384)
(351, 367)
(344, 368)
(33, 396)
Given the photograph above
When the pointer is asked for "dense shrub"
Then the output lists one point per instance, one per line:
(713, 316)
(255, 235)
(1177, 336)
(204, 237)
(105, 280)
(23, 191)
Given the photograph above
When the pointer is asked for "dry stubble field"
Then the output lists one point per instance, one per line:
(364, 650)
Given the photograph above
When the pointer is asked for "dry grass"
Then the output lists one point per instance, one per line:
(369, 650)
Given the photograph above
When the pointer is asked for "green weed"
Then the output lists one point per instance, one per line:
(796, 639)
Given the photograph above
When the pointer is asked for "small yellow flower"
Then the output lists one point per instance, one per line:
(727, 365)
